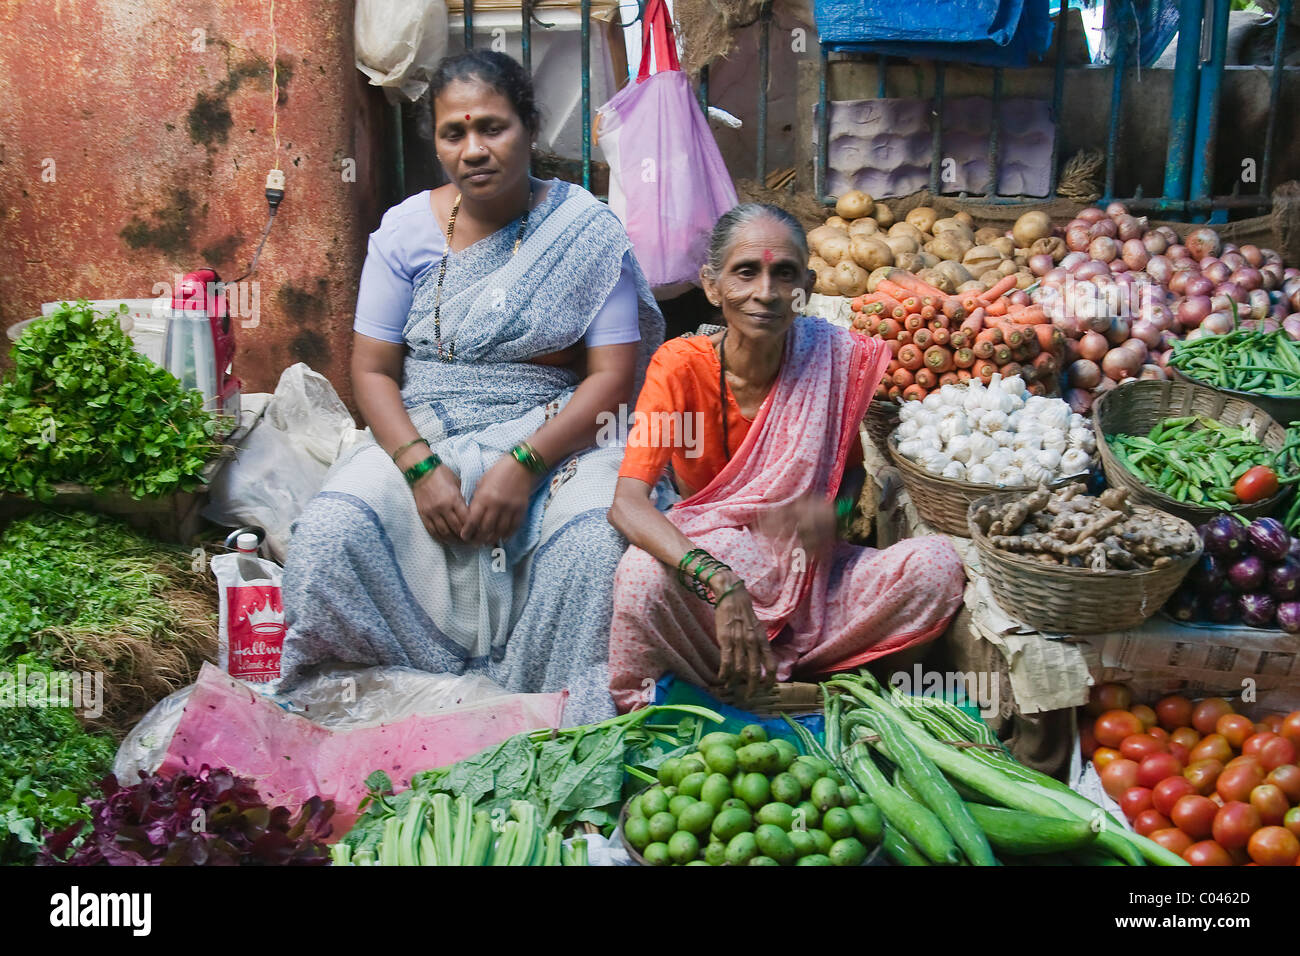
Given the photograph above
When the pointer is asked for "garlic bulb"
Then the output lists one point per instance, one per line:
(1035, 474)
(1015, 385)
(979, 474)
(1031, 440)
(981, 446)
(1049, 459)
(952, 425)
(930, 435)
(1011, 477)
(1082, 438)
(932, 402)
(1074, 461)
(933, 461)
(908, 428)
(1056, 414)
(956, 470)
(909, 412)
(993, 421)
(1077, 420)
(952, 396)
(911, 448)
(959, 448)
(1004, 438)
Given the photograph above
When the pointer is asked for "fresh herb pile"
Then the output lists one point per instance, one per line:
(82, 406)
(212, 818)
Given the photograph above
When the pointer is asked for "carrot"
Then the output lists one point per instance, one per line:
(910, 357)
(1009, 369)
(1037, 388)
(926, 379)
(1049, 337)
(913, 393)
(963, 358)
(985, 371)
(1028, 373)
(941, 321)
(971, 302)
(999, 289)
(1046, 364)
(948, 378)
(913, 322)
(880, 298)
(974, 322)
(893, 345)
(997, 307)
(964, 375)
(856, 305)
(867, 323)
(903, 337)
(882, 390)
(891, 368)
(889, 328)
(960, 340)
(903, 377)
(922, 338)
(940, 336)
(983, 350)
(952, 308)
(1013, 337)
(1029, 315)
(895, 289)
(938, 359)
(898, 312)
(1001, 354)
(895, 393)
(927, 312)
(918, 286)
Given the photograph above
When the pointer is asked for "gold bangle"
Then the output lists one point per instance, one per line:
(410, 444)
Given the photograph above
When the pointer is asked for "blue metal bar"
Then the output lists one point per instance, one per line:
(526, 35)
(880, 77)
(936, 130)
(822, 163)
(764, 67)
(1117, 24)
(1207, 104)
(1058, 99)
(995, 122)
(704, 89)
(1182, 116)
(586, 95)
(1275, 90)
(469, 24)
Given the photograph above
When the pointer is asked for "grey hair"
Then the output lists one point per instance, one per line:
(734, 219)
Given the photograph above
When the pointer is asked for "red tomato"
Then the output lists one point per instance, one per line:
(1194, 815)
(1291, 821)
(1114, 725)
(1159, 733)
(1149, 821)
(1203, 775)
(1166, 793)
(1119, 776)
(1257, 484)
(1145, 714)
(1156, 767)
(1288, 778)
(1274, 722)
(1235, 728)
(1106, 697)
(1137, 746)
(1213, 747)
(1246, 759)
(1103, 756)
(1235, 783)
(1278, 752)
(1087, 740)
(1273, 846)
(1134, 800)
(1185, 736)
(1263, 728)
(1174, 711)
(1173, 839)
(1180, 752)
(1207, 853)
(1234, 823)
(1291, 727)
(1207, 713)
(1252, 745)
(1271, 803)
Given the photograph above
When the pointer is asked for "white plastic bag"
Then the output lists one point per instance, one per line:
(282, 462)
(251, 635)
(399, 43)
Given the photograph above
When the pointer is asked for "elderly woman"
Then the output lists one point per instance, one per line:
(743, 579)
(500, 320)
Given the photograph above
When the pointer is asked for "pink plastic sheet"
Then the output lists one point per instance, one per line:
(290, 759)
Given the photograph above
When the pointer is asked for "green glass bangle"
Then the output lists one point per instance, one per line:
(718, 600)
(527, 456)
(422, 468)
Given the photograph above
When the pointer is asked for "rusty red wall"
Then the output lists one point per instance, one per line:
(135, 139)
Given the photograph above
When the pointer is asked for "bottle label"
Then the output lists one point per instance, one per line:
(255, 632)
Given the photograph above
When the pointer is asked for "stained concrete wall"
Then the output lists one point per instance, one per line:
(133, 147)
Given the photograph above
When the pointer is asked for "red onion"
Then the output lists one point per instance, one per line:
(1167, 340)
(1106, 385)
(1071, 350)
(1055, 279)
(1216, 323)
(1159, 316)
(1253, 255)
(1148, 332)
(1077, 238)
(1248, 278)
(1138, 348)
(1040, 264)
(1291, 325)
(1159, 268)
(1151, 373)
(1072, 259)
(1202, 242)
(1229, 247)
(1221, 301)
(1233, 260)
(1176, 250)
(1290, 272)
(1184, 264)
(1090, 214)
(1080, 401)
(1070, 326)
(1093, 346)
(1171, 237)
(1104, 227)
(1272, 276)
(1019, 297)
(1198, 285)
(1195, 334)
(1250, 325)
(1091, 269)
(1121, 363)
(1259, 304)
(1162, 357)
(1118, 332)
(1271, 256)
(1084, 374)
(1294, 299)
(1269, 325)
(1118, 267)
(1233, 291)
(1135, 254)
(1116, 209)
(1155, 243)
(1193, 310)
(1215, 271)
(1178, 282)
(1128, 227)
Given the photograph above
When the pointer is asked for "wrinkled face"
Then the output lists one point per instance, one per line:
(481, 142)
(763, 274)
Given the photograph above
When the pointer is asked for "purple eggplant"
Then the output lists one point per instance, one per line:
(1248, 574)
(1221, 608)
(1182, 605)
(1288, 616)
(1225, 537)
(1209, 574)
(1258, 609)
(1268, 539)
(1284, 580)
(1294, 550)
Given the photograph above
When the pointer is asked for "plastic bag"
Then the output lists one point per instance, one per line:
(398, 43)
(667, 181)
(282, 462)
(250, 636)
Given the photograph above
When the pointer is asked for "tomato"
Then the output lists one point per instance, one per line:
(1245, 759)
(1134, 800)
(1288, 778)
(1291, 727)
(1185, 737)
(1166, 793)
(1273, 722)
(1114, 725)
(1174, 711)
(1149, 821)
(1202, 775)
(1257, 484)
(1278, 752)
(1194, 815)
(1235, 728)
(1102, 756)
(1159, 733)
(1106, 697)
(1179, 752)
(1263, 728)
(1271, 803)
(1207, 853)
(1145, 714)
(1253, 744)
(1156, 767)
(1213, 747)
(1234, 823)
(1235, 783)
(1273, 846)
(1087, 740)
(1119, 775)
(1291, 821)
(1172, 839)
(1207, 713)
(1137, 746)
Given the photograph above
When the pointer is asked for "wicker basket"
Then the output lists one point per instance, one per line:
(881, 420)
(1282, 409)
(1074, 600)
(944, 502)
(1137, 407)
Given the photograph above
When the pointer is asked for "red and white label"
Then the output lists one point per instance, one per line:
(255, 631)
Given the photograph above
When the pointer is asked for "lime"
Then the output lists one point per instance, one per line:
(718, 737)
(781, 815)
(653, 801)
(716, 789)
(662, 826)
(684, 847)
(825, 794)
(735, 803)
(698, 863)
(838, 824)
(848, 796)
(807, 815)
(759, 758)
(787, 752)
(763, 861)
(670, 792)
(697, 818)
(668, 770)
(730, 822)
(775, 842)
(786, 788)
(867, 822)
(805, 773)
(690, 764)
(656, 854)
(815, 763)
(679, 803)
(803, 842)
(634, 807)
(754, 789)
(822, 841)
(814, 859)
(741, 849)
(715, 854)
(753, 733)
(848, 852)
(637, 831)
(721, 759)
(692, 785)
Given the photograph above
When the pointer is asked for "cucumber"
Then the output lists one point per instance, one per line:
(1018, 833)
(898, 849)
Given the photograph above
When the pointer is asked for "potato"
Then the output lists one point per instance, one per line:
(936, 279)
(1006, 268)
(863, 227)
(836, 222)
(874, 279)
(963, 217)
(1053, 246)
(950, 246)
(850, 278)
(870, 252)
(923, 217)
(907, 229)
(883, 215)
(1031, 227)
(819, 235)
(955, 271)
(980, 259)
(825, 284)
(854, 204)
(1007, 247)
(1025, 279)
(834, 249)
(901, 244)
(986, 235)
(910, 261)
(951, 226)
(974, 285)
(928, 259)
(817, 263)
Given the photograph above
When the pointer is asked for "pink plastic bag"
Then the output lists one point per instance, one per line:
(667, 181)
(228, 724)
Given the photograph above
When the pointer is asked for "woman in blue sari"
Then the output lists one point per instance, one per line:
(501, 321)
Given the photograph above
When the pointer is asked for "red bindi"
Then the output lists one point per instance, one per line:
(767, 255)
(466, 117)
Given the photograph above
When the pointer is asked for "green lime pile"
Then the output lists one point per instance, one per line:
(742, 800)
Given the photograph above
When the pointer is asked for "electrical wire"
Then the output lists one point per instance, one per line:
(275, 92)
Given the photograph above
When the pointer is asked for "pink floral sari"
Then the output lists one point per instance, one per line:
(823, 612)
